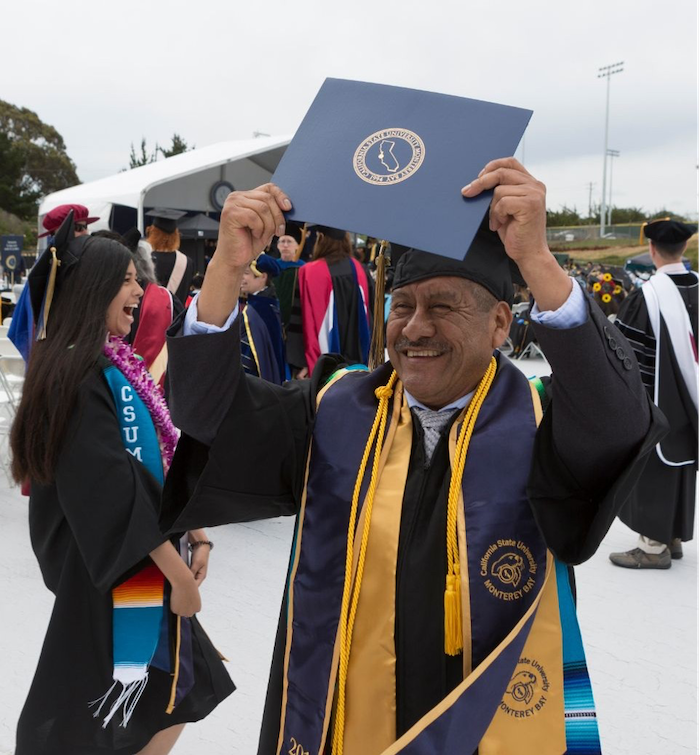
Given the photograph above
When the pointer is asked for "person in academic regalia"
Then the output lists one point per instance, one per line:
(262, 340)
(286, 283)
(81, 219)
(428, 607)
(95, 439)
(21, 331)
(660, 320)
(174, 270)
(334, 305)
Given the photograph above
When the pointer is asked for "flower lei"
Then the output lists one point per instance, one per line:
(123, 357)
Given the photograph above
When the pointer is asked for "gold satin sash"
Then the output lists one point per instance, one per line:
(370, 716)
(530, 718)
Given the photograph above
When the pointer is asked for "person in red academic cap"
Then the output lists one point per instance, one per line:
(54, 218)
(21, 328)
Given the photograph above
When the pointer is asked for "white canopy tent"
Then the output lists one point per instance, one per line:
(182, 182)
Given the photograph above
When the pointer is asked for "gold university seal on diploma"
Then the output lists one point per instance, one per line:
(389, 156)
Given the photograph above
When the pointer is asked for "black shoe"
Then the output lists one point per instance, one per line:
(639, 559)
(676, 548)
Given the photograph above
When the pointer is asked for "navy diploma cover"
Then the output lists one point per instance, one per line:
(390, 162)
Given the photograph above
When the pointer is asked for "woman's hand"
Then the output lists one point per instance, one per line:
(184, 597)
(200, 563)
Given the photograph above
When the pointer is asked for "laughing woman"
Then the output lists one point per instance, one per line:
(125, 664)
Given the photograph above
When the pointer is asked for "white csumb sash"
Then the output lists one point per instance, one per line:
(663, 299)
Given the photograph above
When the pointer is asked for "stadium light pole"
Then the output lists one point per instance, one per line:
(611, 153)
(605, 72)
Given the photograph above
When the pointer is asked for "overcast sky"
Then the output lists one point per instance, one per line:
(106, 74)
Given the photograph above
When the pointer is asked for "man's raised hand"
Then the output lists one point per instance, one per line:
(518, 209)
(519, 215)
(249, 220)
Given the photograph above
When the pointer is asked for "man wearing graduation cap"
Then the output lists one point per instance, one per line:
(286, 284)
(428, 607)
(660, 321)
(174, 269)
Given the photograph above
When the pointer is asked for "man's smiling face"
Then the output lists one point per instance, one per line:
(441, 333)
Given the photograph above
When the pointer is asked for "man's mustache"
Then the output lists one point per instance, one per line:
(427, 344)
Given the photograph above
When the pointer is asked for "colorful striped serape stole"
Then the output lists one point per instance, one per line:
(137, 615)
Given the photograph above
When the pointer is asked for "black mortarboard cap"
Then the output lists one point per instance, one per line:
(669, 231)
(165, 219)
(264, 263)
(293, 230)
(50, 270)
(486, 263)
(331, 233)
(131, 239)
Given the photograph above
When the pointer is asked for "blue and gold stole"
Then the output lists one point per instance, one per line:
(525, 686)
(140, 611)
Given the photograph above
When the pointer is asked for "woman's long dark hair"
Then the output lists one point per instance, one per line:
(331, 249)
(75, 335)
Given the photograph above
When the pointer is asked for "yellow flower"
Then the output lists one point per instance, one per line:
(597, 287)
(607, 277)
(617, 290)
(606, 298)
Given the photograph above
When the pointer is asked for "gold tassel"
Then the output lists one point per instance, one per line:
(300, 248)
(453, 615)
(50, 288)
(376, 347)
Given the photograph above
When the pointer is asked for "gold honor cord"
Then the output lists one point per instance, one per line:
(176, 672)
(453, 603)
(348, 610)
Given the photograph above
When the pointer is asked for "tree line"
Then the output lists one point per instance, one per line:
(34, 161)
(569, 216)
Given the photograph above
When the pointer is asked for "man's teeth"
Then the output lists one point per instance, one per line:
(423, 353)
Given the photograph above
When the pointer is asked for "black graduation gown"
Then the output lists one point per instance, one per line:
(662, 505)
(164, 262)
(577, 483)
(90, 530)
(347, 302)
(178, 308)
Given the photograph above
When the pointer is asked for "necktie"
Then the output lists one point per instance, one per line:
(433, 423)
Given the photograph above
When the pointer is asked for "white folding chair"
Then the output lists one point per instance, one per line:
(11, 371)
(531, 350)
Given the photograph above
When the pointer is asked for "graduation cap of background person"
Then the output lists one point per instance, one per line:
(165, 219)
(294, 230)
(667, 231)
(264, 263)
(53, 219)
(392, 165)
(51, 268)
